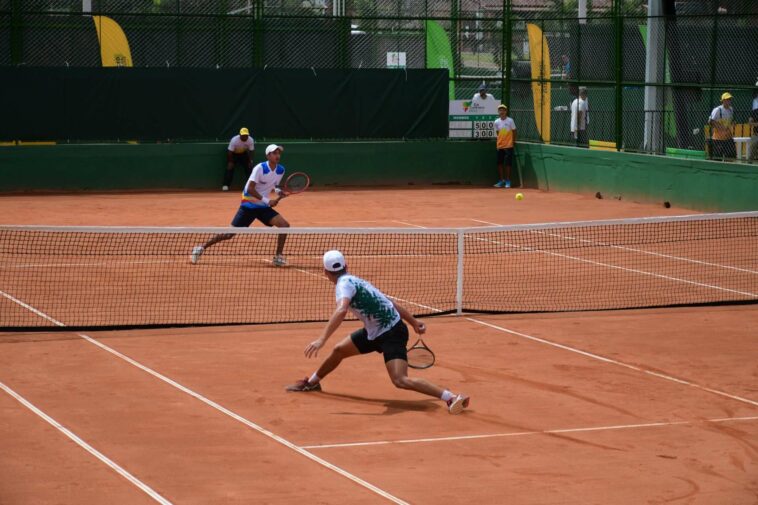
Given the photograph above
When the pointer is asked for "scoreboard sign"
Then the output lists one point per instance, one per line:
(469, 120)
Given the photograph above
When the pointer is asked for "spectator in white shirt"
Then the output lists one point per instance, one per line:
(580, 118)
(482, 97)
(722, 130)
(240, 152)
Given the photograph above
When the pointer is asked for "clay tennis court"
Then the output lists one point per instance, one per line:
(621, 407)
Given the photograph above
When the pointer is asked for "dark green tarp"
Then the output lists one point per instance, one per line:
(84, 104)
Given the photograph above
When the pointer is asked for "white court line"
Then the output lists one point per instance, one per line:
(220, 408)
(614, 362)
(84, 445)
(323, 277)
(610, 265)
(98, 264)
(214, 260)
(624, 269)
(384, 221)
(409, 224)
(528, 433)
(632, 249)
(247, 422)
(30, 308)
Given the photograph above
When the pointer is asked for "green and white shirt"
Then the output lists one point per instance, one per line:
(368, 304)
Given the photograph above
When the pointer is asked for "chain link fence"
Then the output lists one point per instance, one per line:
(651, 81)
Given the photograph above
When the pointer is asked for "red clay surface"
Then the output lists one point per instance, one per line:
(456, 207)
(625, 407)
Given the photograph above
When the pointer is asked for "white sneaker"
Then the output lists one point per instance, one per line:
(224, 188)
(279, 260)
(457, 404)
(196, 253)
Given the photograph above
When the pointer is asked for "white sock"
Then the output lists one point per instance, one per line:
(446, 396)
(314, 379)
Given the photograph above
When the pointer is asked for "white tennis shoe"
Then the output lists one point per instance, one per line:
(196, 253)
(457, 404)
(279, 260)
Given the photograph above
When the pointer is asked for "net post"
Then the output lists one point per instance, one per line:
(459, 275)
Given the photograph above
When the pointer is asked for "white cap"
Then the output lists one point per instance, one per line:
(273, 147)
(334, 261)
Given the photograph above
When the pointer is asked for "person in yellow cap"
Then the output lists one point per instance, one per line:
(240, 152)
(721, 122)
(505, 130)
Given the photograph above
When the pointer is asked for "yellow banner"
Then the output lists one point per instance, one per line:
(539, 56)
(114, 47)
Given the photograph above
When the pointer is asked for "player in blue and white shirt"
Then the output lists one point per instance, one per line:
(257, 204)
(383, 332)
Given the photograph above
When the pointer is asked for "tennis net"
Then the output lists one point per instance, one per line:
(84, 277)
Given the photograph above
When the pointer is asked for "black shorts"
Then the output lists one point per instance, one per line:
(245, 216)
(724, 149)
(392, 343)
(242, 159)
(505, 156)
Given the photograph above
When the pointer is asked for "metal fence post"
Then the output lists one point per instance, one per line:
(714, 42)
(258, 44)
(619, 116)
(179, 34)
(16, 33)
(507, 49)
(343, 56)
(454, 42)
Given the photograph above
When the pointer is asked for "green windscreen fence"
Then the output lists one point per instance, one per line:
(92, 104)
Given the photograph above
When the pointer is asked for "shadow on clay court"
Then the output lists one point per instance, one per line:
(392, 406)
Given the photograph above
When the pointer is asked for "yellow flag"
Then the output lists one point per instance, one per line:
(114, 47)
(539, 55)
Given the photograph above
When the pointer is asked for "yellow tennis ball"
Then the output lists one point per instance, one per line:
(519, 196)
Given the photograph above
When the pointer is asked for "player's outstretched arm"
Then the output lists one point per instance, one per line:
(335, 321)
(418, 326)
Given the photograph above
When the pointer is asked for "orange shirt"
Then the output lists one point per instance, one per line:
(504, 129)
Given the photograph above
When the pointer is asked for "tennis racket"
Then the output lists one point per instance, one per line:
(420, 356)
(296, 183)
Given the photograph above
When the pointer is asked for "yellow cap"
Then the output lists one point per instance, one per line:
(244, 131)
(726, 96)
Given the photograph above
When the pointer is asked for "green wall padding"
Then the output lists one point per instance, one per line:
(104, 167)
(695, 184)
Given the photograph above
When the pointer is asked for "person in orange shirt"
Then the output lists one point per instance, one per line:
(505, 130)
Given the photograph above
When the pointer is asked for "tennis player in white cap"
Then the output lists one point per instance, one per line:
(256, 204)
(383, 331)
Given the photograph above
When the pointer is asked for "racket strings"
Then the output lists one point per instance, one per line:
(420, 356)
(297, 182)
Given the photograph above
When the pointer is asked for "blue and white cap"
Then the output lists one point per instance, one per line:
(334, 261)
